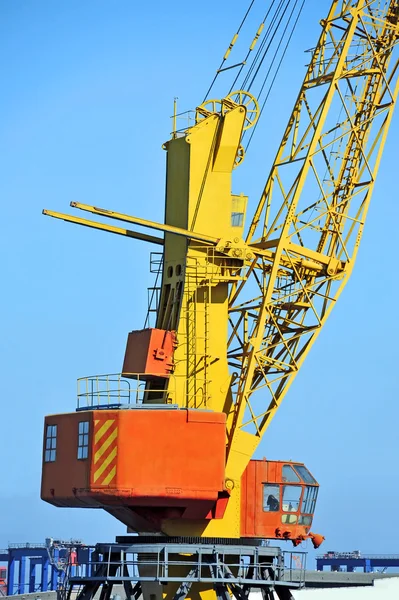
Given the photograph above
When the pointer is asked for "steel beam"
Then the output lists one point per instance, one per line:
(110, 214)
(110, 228)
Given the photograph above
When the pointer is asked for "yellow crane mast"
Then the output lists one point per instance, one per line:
(245, 310)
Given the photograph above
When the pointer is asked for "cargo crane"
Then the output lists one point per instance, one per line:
(166, 446)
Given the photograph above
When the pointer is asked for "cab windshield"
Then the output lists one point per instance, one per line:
(304, 474)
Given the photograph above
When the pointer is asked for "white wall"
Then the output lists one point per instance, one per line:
(382, 589)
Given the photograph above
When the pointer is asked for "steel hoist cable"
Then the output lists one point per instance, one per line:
(279, 24)
(226, 54)
(266, 41)
(273, 30)
(252, 46)
(278, 66)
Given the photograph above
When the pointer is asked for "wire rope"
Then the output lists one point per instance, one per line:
(229, 48)
(269, 44)
(262, 44)
(251, 48)
(276, 73)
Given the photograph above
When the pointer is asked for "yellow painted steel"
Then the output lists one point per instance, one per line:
(247, 311)
(104, 227)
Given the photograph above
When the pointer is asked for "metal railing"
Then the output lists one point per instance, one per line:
(25, 545)
(115, 390)
(154, 292)
(294, 562)
(184, 562)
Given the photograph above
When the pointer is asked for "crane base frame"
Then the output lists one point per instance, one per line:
(228, 569)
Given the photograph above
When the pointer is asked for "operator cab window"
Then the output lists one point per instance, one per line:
(238, 206)
(304, 473)
(309, 499)
(289, 474)
(291, 498)
(271, 498)
(51, 443)
(291, 501)
(83, 442)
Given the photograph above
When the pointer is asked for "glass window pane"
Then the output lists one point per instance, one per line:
(83, 452)
(289, 474)
(289, 519)
(52, 455)
(237, 219)
(53, 443)
(48, 443)
(271, 498)
(304, 473)
(83, 440)
(47, 456)
(309, 499)
(291, 498)
(305, 520)
(54, 431)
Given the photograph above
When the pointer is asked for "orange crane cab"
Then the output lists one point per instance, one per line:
(278, 500)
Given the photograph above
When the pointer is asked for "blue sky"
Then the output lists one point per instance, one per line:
(87, 93)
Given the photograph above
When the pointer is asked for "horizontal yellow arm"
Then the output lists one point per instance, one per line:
(110, 228)
(145, 223)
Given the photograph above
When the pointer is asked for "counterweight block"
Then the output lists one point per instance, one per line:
(138, 463)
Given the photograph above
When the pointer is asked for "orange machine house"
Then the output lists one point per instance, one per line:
(112, 459)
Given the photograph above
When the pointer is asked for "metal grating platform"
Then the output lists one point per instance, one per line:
(232, 570)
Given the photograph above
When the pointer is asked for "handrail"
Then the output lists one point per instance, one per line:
(115, 390)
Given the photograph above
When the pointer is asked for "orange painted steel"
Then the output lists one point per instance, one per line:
(142, 478)
(150, 353)
(129, 466)
(283, 520)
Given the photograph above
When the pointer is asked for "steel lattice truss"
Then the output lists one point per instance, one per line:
(310, 218)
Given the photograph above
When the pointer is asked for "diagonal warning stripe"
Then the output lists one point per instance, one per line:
(104, 465)
(105, 450)
(107, 443)
(103, 429)
(110, 476)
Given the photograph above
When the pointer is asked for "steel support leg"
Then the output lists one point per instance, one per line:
(185, 586)
(135, 592)
(267, 594)
(22, 575)
(45, 568)
(127, 586)
(32, 574)
(283, 592)
(54, 577)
